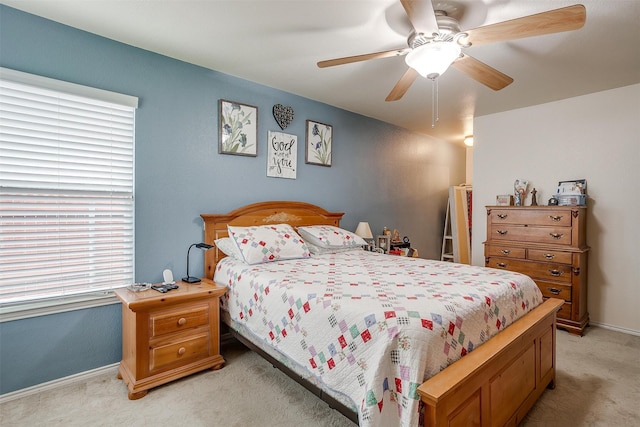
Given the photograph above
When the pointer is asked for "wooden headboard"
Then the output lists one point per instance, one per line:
(296, 214)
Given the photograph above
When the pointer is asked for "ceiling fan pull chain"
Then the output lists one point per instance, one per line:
(435, 115)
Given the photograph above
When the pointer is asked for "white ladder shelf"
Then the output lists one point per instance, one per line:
(456, 239)
(447, 238)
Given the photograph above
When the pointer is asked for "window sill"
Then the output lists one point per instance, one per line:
(11, 312)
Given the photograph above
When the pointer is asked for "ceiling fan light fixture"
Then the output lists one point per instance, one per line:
(431, 60)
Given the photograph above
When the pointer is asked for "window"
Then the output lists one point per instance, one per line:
(66, 189)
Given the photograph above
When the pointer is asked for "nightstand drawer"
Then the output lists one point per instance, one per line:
(193, 347)
(544, 255)
(166, 322)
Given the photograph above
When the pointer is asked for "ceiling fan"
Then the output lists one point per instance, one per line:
(436, 42)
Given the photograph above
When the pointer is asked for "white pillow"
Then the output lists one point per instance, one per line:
(328, 236)
(266, 243)
(229, 247)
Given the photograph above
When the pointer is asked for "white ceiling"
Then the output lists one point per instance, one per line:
(278, 42)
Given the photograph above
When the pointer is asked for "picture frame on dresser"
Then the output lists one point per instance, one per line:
(504, 200)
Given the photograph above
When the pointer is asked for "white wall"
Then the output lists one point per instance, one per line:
(596, 137)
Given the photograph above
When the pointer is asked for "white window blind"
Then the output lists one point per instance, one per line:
(66, 188)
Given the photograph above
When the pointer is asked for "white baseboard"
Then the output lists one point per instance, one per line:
(60, 382)
(615, 328)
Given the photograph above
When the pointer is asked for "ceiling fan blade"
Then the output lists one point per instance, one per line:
(421, 15)
(554, 21)
(358, 58)
(403, 85)
(482, 73)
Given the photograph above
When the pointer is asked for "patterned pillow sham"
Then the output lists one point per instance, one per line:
(266, 243)
(229, 247)
(328, 236)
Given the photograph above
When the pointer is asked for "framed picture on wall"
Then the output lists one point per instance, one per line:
(319, 143)
(238, 125)
(282, 155)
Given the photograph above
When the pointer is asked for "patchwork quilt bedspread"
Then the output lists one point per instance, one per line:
(372, 326)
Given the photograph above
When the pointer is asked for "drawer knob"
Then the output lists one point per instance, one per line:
(182, 321)
(556, 235)
(502, 265)
(554, 291)
(549, 256)
(181, 351)
(502, 232)
(555, 273)
(555, 217)
(505, 251)
(502, 216)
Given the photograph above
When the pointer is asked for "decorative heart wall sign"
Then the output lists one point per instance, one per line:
(283, 115)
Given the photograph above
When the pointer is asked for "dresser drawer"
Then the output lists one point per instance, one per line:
(555, 290)
(505, 251)
(544, 235)
(535, 270)
(192, 347)
(544, 255)
(565, 311)
(531, 217)
(169, 321)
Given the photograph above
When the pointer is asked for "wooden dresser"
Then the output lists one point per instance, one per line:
(547, 243)
(166, 336)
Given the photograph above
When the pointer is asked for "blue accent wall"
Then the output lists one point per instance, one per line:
(381, 173)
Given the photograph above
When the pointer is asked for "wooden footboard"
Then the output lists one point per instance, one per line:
(497, 383)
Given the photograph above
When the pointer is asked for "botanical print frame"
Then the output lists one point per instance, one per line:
(282, 155)
(319, 143)
(238, 124)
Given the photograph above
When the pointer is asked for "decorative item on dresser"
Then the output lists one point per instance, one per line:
(166, 336)
(547, 243)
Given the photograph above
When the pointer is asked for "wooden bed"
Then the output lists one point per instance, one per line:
(494, 385)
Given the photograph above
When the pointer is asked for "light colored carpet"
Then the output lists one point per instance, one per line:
(598, 384)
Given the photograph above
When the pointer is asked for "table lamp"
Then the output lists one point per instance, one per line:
(190, 279)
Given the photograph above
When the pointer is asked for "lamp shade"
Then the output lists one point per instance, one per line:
(363, 230)
(432, 59)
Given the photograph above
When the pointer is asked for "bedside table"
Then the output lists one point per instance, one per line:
(166, 336)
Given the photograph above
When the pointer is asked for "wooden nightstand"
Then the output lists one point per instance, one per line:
(167, 336)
